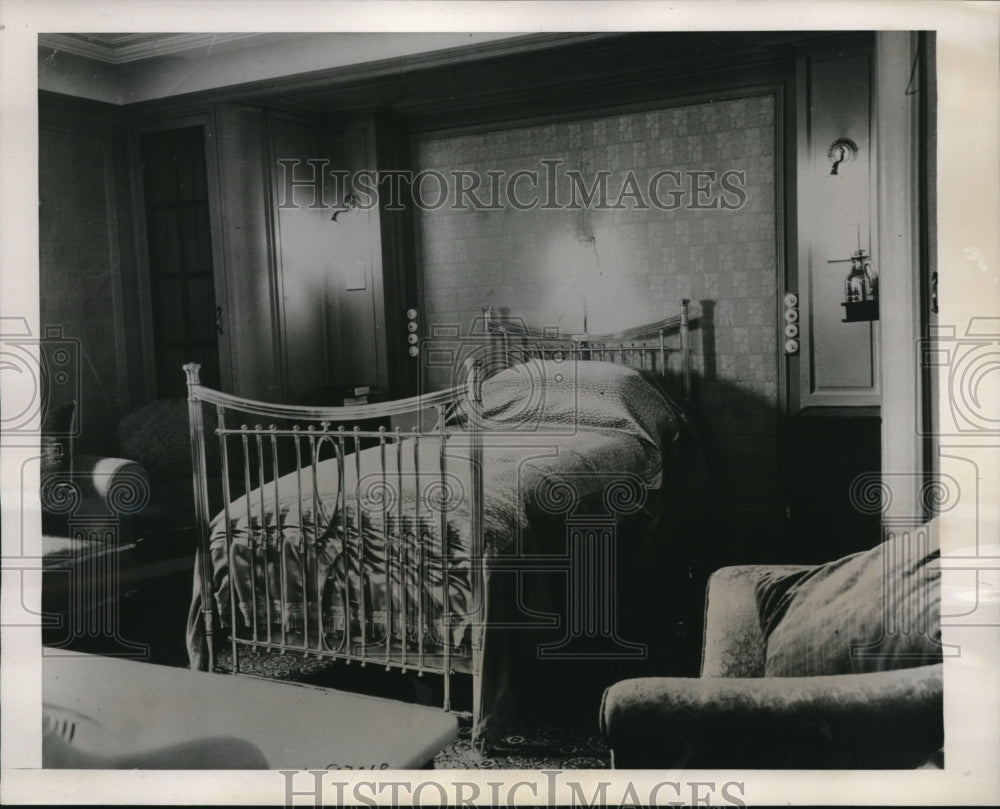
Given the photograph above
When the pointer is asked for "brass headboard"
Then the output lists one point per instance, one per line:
(644, 346)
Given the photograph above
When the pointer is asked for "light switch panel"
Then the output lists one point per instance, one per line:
(357, 276)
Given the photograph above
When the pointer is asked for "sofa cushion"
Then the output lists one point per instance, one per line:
(878, 720)
(870, 611)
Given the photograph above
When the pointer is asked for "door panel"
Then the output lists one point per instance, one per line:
(837, 362)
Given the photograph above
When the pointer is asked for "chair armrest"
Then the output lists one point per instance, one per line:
(733, 644)
(885, 719)
(96, 486)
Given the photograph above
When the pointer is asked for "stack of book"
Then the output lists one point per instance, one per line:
(359, 395)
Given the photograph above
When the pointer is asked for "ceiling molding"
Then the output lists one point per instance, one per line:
(118, 49)
(416, 73)
(298, 85)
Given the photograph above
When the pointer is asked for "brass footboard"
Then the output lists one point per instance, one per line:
(337, 538)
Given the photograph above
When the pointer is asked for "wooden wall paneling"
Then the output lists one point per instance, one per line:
(302, 296)
(396, 230)
(146, 342)
(118, 300)
(833, 423)
(131, 294)
(838, 362)
(830, 449)
(302, 234)
(79, 261)
(248, 250)
(355, 302)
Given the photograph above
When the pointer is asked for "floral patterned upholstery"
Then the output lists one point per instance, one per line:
(733, 715)
(734, 644)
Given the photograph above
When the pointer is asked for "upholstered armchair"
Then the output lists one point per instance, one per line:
(836, 665)
(114, 524)
(146, 476)
(88, 543)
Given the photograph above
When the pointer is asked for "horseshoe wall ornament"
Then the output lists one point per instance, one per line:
(842, 152)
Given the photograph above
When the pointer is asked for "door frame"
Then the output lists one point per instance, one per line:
(906, 405)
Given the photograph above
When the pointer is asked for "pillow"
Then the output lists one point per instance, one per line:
(562, 396)
(872, 611)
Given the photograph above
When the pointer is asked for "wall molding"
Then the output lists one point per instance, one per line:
(898, 126)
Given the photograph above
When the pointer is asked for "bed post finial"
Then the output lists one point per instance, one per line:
(192, 372)
(685, 349)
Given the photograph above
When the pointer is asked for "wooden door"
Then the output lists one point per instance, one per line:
(186, 321)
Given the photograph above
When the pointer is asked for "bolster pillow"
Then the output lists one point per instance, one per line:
(97, 486)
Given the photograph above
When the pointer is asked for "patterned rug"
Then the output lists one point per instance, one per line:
(276, 666)
(529, 748)
(552, 746)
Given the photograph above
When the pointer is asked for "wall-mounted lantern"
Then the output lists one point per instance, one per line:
(860, 290)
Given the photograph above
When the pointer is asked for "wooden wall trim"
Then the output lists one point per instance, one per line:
(248, 247)
(274, 268)
(398, 279)
(228, 353)
(903, 465)
(111, 205)
(506, 74)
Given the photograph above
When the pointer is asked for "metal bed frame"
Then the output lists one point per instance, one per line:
(629, 347)
(404, 642)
